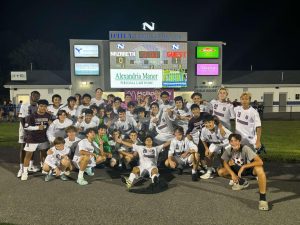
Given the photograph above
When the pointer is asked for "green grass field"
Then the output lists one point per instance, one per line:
(281, 138)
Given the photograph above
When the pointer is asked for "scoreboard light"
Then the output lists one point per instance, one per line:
(207, 52)
(149, 54)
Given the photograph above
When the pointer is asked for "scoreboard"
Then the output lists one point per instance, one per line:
(148, 64)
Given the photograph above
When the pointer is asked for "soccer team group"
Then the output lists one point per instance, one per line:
(136, 135)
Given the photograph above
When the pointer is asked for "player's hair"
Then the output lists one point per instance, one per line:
(35, 92)
(89, 130)
(127, 94)
(117, 99)
(164, 93)
(179, 129)
(116, 130)
(154, 103)
(246, 93)
(94, 107)
(132, 132)
(71, 128)
(110, 96)
(102, 126)
(196, 94)
(99, 89)
(223, 89)
(194, 106)
(131, 103)
(141, 109)
(236, 136)
(178, 98)
(71, 98)
(43, 102)
(121, 110)
(56, 96)
(60, 112)
(148, 136)
(77, 94)
(58, 141)
(86, 95)
(88, 111)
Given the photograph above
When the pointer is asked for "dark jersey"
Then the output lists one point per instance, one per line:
(196, 124)
(34, 120)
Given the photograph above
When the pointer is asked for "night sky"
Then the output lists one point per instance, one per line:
(265, 35)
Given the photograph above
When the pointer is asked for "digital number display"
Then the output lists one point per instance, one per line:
(149, 54)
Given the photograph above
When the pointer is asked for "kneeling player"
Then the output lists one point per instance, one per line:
(85, 158)
(239, 161)
(183, 152)
(57, 159)
(148, 156)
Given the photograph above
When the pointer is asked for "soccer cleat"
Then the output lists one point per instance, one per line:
(263, 205)
(24, 176)
(180, 171)
(67, 173)
(237, 186)
(206, 176)
(127, 182)
(63, 177)
(19, 173)
(89, 171)
(33, 169)
(49, 177)
(155, 180)
(194, 177)
(231, 182)
(82, 181)
(44, 172)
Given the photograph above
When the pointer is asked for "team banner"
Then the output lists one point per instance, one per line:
(143, 92)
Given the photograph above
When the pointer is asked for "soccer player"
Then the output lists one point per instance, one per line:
(86, 103)
(247, 123)
(181, 114)
(117, 105)
(25, 110)
(222, 108)
(197, 99)
(56, 103)
(35, 127)
(70, 108)
(240, 160)
(130, 112)
(98, 100)
(71, 139)
(183, 152)
(84, 158)
(214, 137)
(148, 156)
(95, 117)
(165, 102)
(85, 122)
(57, 159)
(58, 126)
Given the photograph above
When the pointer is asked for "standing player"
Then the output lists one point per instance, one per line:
(247, 122)
(35, 127)
(86, 103)
(148, 156)
(222, 108)
(197, 99)
(70, 108)
(56, 103)
(98, 100)
(25, 110)
(181, 114)
(183, 152)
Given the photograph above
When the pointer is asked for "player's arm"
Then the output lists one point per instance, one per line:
(84, 152)
(49, 152)
(234, 177)
(166, 144)
(258, 140)
(256, 162)
(128, 144)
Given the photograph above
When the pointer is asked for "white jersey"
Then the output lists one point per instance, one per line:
(179, 122)
(163, 107)
(97, 102)
(147, 156)
(71, 112)
(53, 110)
(85, 125)
(84, 145)
(57, 154)
(224, 111)
(246, 122)
(57, 129)
(178, 147)
(203, 107)
(215, 137)
(164, 124)
(126, 126)
(70, 143)
(96, 120)
(80, 108)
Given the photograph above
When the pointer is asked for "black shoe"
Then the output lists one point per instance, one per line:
(180, 171)
(194, 177)
(155, 180)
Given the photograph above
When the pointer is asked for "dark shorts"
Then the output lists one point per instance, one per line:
(246, 172)
(201, 150)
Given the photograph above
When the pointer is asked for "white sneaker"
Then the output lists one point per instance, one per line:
(231, 183)
(44, 172)
(24, 176)
(33, 169)
(207, 175)
(19, 173)
(67, 173)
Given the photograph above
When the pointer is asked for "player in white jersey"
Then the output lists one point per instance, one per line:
(183, 152)
(25, 110)
(58, 126)
(181, 114)
(95, 118)
(86, 103)
(84, 158)
(56, 104)
(58, 160)
(214, 137)
(247, 122)
(125, 124)
(222, 108)
(98, 100)
(70, 108)
(165, 102)
(197, 99)
(71, 139)
(83, 123)
(161, 124)
(148, 156)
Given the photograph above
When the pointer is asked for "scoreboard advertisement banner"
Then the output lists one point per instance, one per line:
(148, 64)
(207, 52)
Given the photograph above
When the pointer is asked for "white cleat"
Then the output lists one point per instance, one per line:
(33, 169)
(19, 173)
(24, 176)
(207, 175)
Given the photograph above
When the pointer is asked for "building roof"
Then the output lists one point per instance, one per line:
(45, 77)
(261, 77)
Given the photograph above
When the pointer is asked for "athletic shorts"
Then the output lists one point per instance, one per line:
(246, 172)
(52, 162)
(91, 163)
(215, 148)
(187, 161)
(31, 147)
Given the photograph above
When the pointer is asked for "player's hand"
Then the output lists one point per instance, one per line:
(235, 178)
(155, 120)
(257, 144)
(57, 171)
(241, 170)
(172, 164)
(101, 142)
(231, 162)
(41, 127)
(189, 137)
(109, 155)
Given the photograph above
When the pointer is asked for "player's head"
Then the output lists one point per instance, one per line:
(98, 92)
(122, 114)
(196, 97)
(94, 108)
(222, 93)
(178, 102)
(141, 112)
(71, 132)
(110, 98)
(148, 141)
(90, 133)
(88, 115)
(154, 108)
(59, 143)
(133, 136)
(102, 129)
(195, 108)
(71, 101)
(131, 107)
(86, 99)
(235, 141)
(165, 96)
(128, 97)
(245, 99)
(101, 111)
(35, 96)
(116, 134)
(42, 105)
(56, 100)
(117, 102)
(61, 115)
(178, 132)
(209, 122)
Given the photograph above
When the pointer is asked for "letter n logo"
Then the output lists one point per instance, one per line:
(148, 26)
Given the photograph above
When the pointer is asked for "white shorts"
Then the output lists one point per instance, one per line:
(146, 170)
(215, 148)
(76, 160)
(51, 161)
(31, 147)
(184, 161)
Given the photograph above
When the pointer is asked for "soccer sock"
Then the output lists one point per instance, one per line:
(241, 181)
(30, 163)
(262, 197)
(193, 171)
(152, 177)
(132, 176)
(25, 169)
(80, 174)
(209, 169)
(21, 166)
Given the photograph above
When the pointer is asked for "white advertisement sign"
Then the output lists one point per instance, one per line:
(87, 69)
(18, 75)
(86, 51)
(136, 78)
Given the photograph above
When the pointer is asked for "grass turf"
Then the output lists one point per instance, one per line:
(281, 139)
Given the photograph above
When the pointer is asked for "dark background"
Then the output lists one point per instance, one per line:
(264, 34)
